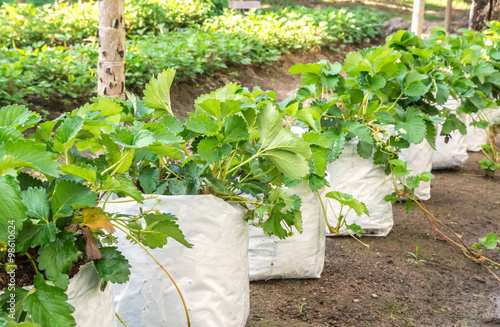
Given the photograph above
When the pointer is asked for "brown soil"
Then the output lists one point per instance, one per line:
(379, 287)
(25, 271)
(274, 77)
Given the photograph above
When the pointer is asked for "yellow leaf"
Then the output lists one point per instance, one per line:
(96, 218)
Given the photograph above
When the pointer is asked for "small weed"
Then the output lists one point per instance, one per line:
(301, 307)
(414, 258)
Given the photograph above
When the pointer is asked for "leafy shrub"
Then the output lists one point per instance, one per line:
(66, 73)
(47, 72)
(63, 24)
(301, 27)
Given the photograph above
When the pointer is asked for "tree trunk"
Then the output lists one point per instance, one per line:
(111, 37)
(486, 10)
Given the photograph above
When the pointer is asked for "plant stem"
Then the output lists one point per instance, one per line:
(32, 262)
(163, 268)
(244, 162)
(330, 227)
(121, 320)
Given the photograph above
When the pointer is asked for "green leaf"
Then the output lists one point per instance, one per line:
(18, 293)
(113, 266)
(133, 139)
(108, 107)
(31, 236)
(399, 168)
(452, 123)
(167, 150)
(349, 201)
(26, 181)
(286, 140)
(69, 195)
(413, 127)
(305, 68)
(338, 144)
(149, 179)
(317, 139)
(317, 182)
(68, 129)
(48, 305)
(364, 149)
(490, 241)
(375, 82)
(87, 174)
(157, 92)
(121, 186)
(409, 205)
(216, 185)
(426, 176)
(380, 157)
(354, 64)
(58, 257)
(413, 77)
(162, 134)
(210, 150)
(9, 134)
(35, 200)
(292, 165)
(319, 160)
(172, 123)
(28, 154)
(209, 106)
(13, 211)
(235, 129)
(19, 117)
(113, 153)
(415, 89)
(431, 133)
(160, 226)
(442, 93)
(273, 226)
(269, 123)
(358, 129)
(201, 123)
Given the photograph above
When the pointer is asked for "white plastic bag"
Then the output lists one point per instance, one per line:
(419, 159)
(212, 276)
(451, 152)
(495, 115)
(369, 184)
(477, 136)
(93, 307)
(299, 256)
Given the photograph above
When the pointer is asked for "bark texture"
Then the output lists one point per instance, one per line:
(111, 37)
(486, 10)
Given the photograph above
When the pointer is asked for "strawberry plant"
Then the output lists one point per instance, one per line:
(57, 216)
(234, 144)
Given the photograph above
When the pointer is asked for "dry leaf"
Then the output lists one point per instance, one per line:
(90, 247)
(73, 227)
(96, 218)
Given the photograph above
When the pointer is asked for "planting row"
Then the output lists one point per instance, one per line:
(64, 24)
(92, 187)
(67, 73)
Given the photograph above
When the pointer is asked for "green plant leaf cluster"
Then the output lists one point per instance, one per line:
(51, 63)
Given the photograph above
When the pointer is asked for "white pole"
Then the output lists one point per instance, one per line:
(418, 16)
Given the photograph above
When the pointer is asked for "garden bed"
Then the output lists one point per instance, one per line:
(379, 287)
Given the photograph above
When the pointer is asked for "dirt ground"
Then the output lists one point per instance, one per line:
(379, 287)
